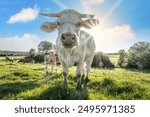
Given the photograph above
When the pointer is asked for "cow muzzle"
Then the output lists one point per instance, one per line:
(68, 40)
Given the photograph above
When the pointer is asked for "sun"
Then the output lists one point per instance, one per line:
(99, 34)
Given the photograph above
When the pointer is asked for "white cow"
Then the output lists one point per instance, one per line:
(73, 45)
(49, 59)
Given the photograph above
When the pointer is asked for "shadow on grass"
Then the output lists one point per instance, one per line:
(62, 92)
(145, 81)
(137, 70)
(120, 90)
(21, 74)
(9, 63)
(55, 76)
(9, 89)
(1, 65)
(4, 76)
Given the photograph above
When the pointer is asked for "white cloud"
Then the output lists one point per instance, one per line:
(107, 39)
(112, 9)
(60, 4)
(118, 33)
(112, 39)
(93, 2)
(25, 15)
(19, 43)
(88, 5)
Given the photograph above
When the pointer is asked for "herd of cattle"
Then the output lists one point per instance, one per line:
(22, 60)
(50, 58)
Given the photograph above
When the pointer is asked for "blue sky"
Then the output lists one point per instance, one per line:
(122, 22)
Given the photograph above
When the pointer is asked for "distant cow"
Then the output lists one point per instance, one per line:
(26, 60)
(101, 61)
(21, 60)
(50, 59)
(9, 59)
(73, 45)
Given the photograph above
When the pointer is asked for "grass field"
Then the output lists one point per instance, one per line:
(14, 57)
(29, 81)
(113, 58)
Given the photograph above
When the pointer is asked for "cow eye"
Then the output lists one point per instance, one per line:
(79, 24)
(58, 23)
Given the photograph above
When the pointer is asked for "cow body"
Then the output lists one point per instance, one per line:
(9, 59)
(83, 53)
(74, 46)
(49, 59)
(21, 60)
(26, 60)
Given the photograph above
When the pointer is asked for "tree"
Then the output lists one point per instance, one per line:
(139, 55)
(32, 52)
(122, 61)
(45, 46)
(39, 58)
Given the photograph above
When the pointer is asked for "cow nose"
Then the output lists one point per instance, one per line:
(68, 39)
(68, 36)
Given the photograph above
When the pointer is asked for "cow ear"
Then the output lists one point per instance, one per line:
(48, 26)
(89, 23)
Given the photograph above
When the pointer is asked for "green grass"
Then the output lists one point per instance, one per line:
(14, 57)
(113, 59)
(28, 81)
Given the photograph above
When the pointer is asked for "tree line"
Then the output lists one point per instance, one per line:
(138, 56)
(12, 53)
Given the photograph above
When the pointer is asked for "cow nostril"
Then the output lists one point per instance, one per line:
(74, 38)
(63, 38)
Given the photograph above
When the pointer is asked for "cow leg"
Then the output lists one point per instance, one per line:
(79, 82)
(83, 75)
(65, 70)
(52, 66)
(79, 74)
(65, 74)
(88, 69)
(46, 68)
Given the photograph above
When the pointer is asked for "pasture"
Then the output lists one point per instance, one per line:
(29, 81)
(113, 58)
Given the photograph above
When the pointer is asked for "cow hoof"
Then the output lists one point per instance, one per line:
(87, 80)
(79, 87)
(82, 81)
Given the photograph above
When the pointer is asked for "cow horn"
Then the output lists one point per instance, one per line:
(86, 16)
(51, 14)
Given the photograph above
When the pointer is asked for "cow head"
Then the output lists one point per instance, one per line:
(68, 24)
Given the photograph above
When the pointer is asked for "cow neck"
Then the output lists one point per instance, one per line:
(68, 53)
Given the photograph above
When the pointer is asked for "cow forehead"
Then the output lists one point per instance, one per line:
(68, 17)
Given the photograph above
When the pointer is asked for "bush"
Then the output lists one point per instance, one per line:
(139, 55)
(122, 61)
(39, 58)
(32, 52)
